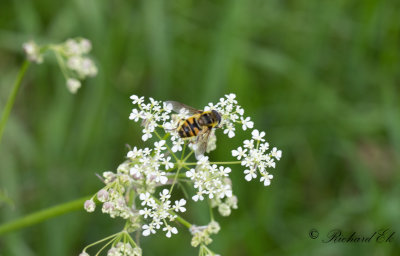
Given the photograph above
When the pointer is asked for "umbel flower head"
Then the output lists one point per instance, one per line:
(143, 189)
(71, 58)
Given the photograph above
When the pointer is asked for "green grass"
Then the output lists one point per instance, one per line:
(320, 77)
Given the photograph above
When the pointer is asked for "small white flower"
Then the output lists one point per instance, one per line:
(133, 153)
(231, 97)
(72, 47)
(73, 85)
(198, 196)
(167, 163)
(148, 229)
(147, 134)
(89, 205)
(266, 178)
(136, 100)
(276, 153)
(224, 171)
(230, 130)
(145, 212)
(108, 207)
(248, 144)
(85, 45)
(251, 174)
(74, 62)
(146, 198)
(32, 51)
(258, 135)
(239, 153)
(179, 205)
(164, 195)
(224, 210)
(191, 173)
(170, 230)
(102, 195)
(246, 123)
(264, 147)
(159, 146)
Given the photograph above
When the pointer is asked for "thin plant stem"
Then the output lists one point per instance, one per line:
(105, 246)
(175, 179)
(231, 162)
(211, 210)
(102, 240)
(42, 215)
(11, 98)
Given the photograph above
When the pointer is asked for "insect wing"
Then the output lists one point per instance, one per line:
(202, 142)
(177, 106)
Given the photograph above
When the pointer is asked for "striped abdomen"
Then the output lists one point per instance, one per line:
(189, 127)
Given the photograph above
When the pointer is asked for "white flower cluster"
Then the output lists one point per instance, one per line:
(255, 157)
(71, 57)
(211, 180)
(201, 234)
(153, 114)
(226, 205)
(78, 66)
(149, 165)
(160, 212)
(134, 193)
(114, 202)
(144, 170)
(32, 51)
(121, 249)
(231, 113)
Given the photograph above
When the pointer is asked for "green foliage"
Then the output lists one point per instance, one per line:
(321, 77)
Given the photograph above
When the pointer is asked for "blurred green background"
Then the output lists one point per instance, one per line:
(320, 77)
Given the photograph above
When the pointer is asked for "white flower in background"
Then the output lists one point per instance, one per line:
(73, 85)
(71, 58)
(32, 51)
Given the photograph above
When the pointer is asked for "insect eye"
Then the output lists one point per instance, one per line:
(217, 116)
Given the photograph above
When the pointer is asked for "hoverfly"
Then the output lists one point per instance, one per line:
(199, 125)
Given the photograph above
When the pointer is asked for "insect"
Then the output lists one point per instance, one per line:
(199, 125)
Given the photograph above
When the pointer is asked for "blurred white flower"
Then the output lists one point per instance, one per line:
(32, 51)
(71, 58)
(73, 85)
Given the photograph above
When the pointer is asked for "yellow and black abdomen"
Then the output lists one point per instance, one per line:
(189, 127)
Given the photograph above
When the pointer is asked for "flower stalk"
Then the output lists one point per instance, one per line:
(42, 215)
(11, 98)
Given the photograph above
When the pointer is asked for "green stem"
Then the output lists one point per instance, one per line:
(42, 215)
(11, 98)
(184, 222)
(175, 178)
(211, 210)
(231, 162)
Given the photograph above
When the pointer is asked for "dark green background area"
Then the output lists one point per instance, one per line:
(320, 77)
